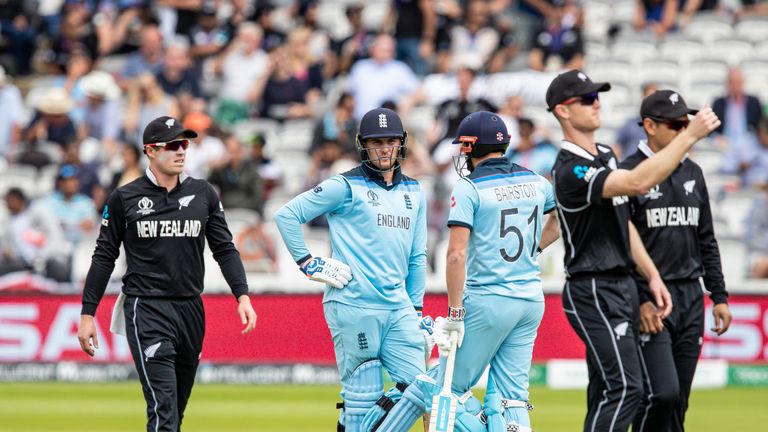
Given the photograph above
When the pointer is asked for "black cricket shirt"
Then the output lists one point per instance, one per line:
(674, 220)
(164, 234)
(595, 230)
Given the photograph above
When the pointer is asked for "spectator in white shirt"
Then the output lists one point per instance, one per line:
(380, 78)
(242, 66)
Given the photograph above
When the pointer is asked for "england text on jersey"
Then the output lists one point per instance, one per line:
(392, 221)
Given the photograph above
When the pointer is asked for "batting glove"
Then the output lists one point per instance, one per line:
(427, 327)
(328, 271)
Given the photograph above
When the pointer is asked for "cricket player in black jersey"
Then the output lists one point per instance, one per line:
(674, 221)
(163, 220)
(602, 247)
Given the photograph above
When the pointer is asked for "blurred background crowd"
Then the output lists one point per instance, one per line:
(275, 89)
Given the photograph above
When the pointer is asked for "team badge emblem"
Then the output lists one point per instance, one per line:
(145, 206)
(382, 120)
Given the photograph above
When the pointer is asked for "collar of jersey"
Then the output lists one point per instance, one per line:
(490, 166)
(151, 176)
(379, 178)
(646, 150)
(576, 149)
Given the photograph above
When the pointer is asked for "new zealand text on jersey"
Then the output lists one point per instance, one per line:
(672, 216)
(168, 228)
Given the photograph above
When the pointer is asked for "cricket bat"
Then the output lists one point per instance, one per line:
(444, 404)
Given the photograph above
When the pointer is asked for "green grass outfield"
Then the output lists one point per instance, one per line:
(118, 407)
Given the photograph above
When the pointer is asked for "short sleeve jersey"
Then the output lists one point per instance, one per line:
(595, 230)
(503, 205)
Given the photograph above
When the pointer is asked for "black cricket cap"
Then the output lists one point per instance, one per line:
(164, 129)
(381, 123)
(571, 84)
(485, 127)
(665, 105)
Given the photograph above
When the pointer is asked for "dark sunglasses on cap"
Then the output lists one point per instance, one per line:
(676, 125)
(586, 100)
(171, 145)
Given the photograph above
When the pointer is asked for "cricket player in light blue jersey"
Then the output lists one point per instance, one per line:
(375, 278)
(496, 232)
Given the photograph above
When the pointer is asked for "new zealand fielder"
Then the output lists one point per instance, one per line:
(602, 246)
(163, 220)
(674, 220)
(375, 278)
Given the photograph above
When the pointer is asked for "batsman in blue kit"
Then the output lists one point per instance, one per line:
(374, 277)
(496, 233)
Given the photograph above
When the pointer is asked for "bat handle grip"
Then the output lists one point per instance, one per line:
(448, 380)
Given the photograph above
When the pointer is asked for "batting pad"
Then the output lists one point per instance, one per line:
(365, 387)
(410, 407)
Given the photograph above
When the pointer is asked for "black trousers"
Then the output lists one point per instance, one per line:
(165, 337)
(669, 361)
(603, 312)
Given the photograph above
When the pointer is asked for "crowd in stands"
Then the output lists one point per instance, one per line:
(275, 90)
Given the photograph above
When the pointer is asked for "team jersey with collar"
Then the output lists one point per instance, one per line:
(674, 220)
(163, 234)
(595, 230)
(379, 230)
(503, 205)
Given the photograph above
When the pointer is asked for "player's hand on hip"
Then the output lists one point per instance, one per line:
(723, 318)
(661, 297)
(328, 271)
(703, 123)
(85, 332)
(649, 320)
(246, 313)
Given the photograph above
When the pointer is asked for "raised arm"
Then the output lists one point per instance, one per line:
(655, 169)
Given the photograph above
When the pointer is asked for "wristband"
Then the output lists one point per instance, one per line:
(456, 314)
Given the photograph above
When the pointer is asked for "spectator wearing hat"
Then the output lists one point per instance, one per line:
(32, 240)
(75, 212)
(206, 152)
(102, 110)
(51, 121)
(11, 116)
(243, 68)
